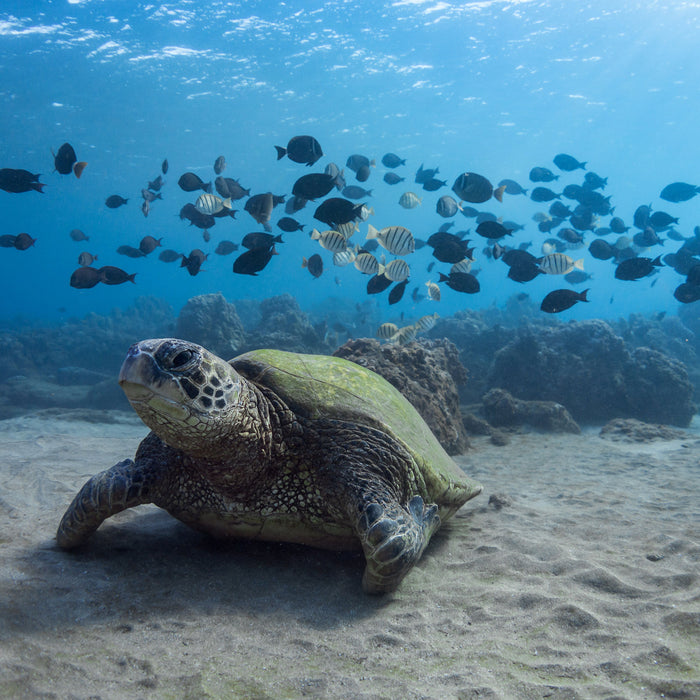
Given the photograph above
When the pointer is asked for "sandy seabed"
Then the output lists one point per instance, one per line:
(584, 584)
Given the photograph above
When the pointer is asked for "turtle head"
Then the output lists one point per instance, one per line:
(182, 392)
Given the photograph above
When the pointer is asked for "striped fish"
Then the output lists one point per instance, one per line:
(462, 266)
(433, 291)
(211, 204)
(387, 330)
(348, 229)
(396, 239)
(425, 323)
(344, 257)
(559, 264)
(330, 240)
(397, 270)
(404, 335)
(367, 263)
(409, 200)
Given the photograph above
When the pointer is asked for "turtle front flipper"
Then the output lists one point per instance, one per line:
(393, 538)
(116, 489)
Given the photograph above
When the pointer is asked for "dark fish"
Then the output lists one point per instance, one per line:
(492, 229)
(219, 165)
(193, 261)
(115, 201)
(391, 160)
(164, 166)
(647, 238)
(512, 187)
(423, 175)
(148, 244)
(559, 210)
(679, 192)
(286, 223)
(260, 207)
(636, 268)
(461, 282)
(64, 159)
(253, 261)
(693, 276)
(473, 188)
(226, 248)
(313, 186)
(355, 192)
(577, 277)
(434, 184)
(561, 300)
(568, 163)
(660, 220)
(524, 271)
(18, 180)
(189, 182)
(85, 278)
(448, 248)
(357, 161)
(301, 149)
(594, 181)
(363, 173)
(641, 216)
(687, 293)
(570, 236)
(168, 255)
(114, 275)
(149, 196)
(471, 213)
(85, 259)
(228, 187)
(129, 251)
(24, 241)
(260, 240)
(542, 175)
(156, 184)
(378, 284)
(77, 235)
(294, 204)
(393, 179)
(617, 225)
(543, 194)
(196, 217)
(396, 293)
(575, 192)
(314, 265)
(337, 211)
(516, 256)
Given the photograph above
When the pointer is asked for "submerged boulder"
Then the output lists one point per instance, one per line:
(591, 371)
(502, 409)
(427, 373)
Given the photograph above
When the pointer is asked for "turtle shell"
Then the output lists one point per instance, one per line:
(321, 386)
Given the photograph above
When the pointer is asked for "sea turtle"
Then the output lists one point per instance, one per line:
(278, 446)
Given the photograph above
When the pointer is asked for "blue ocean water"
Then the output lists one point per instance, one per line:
(489, 87)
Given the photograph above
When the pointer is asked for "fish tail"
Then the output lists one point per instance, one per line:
(582, 295)
(38, 186)
(371, 232)
(281, 152)
(579, 264)
(304, 262)
(443, 278)
(130, 278)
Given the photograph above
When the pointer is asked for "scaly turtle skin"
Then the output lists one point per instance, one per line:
(278, 446)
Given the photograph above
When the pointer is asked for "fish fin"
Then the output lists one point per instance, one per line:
(281, 152)
(315, 234)
(304, 262)
(227, 202)
(579, 264)
(371, 232)
(130, 278)
(582, 295)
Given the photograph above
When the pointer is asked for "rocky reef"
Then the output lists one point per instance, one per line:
(590, 370)
(504, 410)
(427, 373)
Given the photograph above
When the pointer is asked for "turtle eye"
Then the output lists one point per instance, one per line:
(181, 359)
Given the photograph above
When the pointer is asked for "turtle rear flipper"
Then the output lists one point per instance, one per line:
(393, 539)
(116, 489)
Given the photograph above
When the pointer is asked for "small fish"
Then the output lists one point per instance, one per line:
(679, 192)
(447, 207)
(562, 299)
(260, 240)
(77, 235)
(226, 248)
(301, 149)
(190, 182)
(397, 270)
(396, 293)
(18, 180)
(156, 184)
(433, 185)
(211, 204)
(145, 207)
(85, 278)
(396, 239)
(366, 263)
(391, 160)
(129, 251)
(219, 165)
(426, 323)
(164, 167)
(405, 335)
(409, 200)
(355, 192)
(538, 174)
(115, 201)
(433, 291)
(253, 261)
(461, 282)
(512, 187)
(393, 179)
(114, 275)
(344, 257)
(425, 174)
(377, 284)
(543, 194)
(559, 264)
(85, 259)
(314, 265)
(330, 240)
(193, 262)
(568, 163)
(636, 268)
(64, 159)
(149, 196)
(148, 244)
(169, 255)
(386, 331)
(286, 223)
